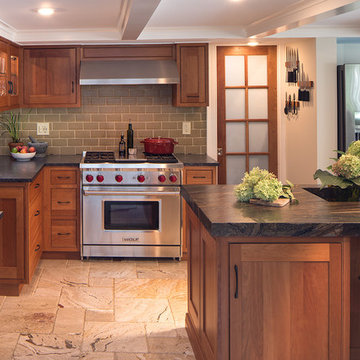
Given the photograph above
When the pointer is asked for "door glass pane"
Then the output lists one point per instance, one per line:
(262, 161)
(257, 70)
(258, 103)
(235, 137)
(234, 71)
(234, 104)
(14, 74)
(235, 168)
(258, 136)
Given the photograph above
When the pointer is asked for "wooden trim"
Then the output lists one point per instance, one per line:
(10, 289)
(194, 339)
(66, 255)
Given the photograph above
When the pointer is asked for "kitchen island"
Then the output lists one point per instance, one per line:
(272, 283)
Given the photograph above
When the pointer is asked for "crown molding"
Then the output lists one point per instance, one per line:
(299, 14)
(7, 31)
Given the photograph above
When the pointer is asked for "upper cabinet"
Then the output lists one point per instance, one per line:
(51, 77)
(192, 60)
(9, 75)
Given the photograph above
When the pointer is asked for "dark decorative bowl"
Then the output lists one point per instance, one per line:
(40, 148)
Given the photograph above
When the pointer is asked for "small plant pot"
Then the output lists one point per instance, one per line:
(15, 144)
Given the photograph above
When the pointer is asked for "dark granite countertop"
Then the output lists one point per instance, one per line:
(196, 160)
(25, 171)
(223, 216)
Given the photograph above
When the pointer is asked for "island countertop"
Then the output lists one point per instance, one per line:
(223, 216)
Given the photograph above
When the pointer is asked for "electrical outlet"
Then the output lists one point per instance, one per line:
(42, 129)
(186, 127)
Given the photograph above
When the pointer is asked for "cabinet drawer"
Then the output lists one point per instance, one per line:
(63, 177)
(201, 177)
(64, 200)
(64, 234)
(35, 218)
(36, 188)
(35, 251)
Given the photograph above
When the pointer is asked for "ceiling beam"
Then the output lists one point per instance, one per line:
(134, 15)
(299, 14)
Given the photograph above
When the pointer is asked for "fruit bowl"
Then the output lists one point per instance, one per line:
(23, 156)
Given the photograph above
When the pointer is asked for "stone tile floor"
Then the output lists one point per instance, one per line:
(98, 310)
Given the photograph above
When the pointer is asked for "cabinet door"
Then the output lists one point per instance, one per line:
(50, 77)
(192, 62)
(4, 75)
(285, 301)
(12, 233)
(14, 82)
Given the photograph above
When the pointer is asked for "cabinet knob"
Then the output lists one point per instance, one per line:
(63, 234)
(219, 151)
(37, 186)
(236, 295)
(37, 247)
(63, 202)
(37, 213)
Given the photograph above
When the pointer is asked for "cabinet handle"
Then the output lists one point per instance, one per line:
(64, 202)
(63, 234)
(199, 177)
(37, 247)
(37, 186)
(237, 281)
(63, 177)
(72, 86)
(37, 213)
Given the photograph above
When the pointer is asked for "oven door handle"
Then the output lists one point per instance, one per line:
(129, 193)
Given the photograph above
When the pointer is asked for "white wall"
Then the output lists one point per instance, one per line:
(348, 52)
(326, 80)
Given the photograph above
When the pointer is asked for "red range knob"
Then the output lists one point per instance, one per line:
(100, 178)
(173, 178)
(89, 178)
(162, 178)
(118, 178)
(141, 178)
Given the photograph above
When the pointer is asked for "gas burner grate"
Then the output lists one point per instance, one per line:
(160, 158)
(99, 156)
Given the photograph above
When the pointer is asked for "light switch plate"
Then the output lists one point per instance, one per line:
(186, 127)
(42, 129)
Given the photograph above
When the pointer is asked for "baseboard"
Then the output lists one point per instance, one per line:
(10, 289)
(65, 255)
(194, 340)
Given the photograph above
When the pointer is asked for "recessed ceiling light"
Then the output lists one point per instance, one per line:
(253, 43)
(46, 11)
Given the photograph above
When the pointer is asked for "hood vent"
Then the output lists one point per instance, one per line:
(129, 72)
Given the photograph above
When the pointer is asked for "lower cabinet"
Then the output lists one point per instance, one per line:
(195, 175)
(267, 298)
(62, 200)
(21, 233)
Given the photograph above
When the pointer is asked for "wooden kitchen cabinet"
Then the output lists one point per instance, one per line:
(51, 77)
(192, 61)
(266, 298)
(195, 175)
(62, 219)
(21, 233)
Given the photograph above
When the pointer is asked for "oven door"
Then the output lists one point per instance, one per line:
(131, 216)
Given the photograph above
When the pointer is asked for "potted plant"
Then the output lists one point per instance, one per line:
(343, 183)
(10, 123)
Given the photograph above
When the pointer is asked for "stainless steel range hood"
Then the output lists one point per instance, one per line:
(128, 72)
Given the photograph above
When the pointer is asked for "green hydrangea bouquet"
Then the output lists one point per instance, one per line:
(263, 185)
(345, 172)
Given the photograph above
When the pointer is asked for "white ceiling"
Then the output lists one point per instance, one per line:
(116, 21)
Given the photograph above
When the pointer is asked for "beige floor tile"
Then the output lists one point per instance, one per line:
(7, 345)
(78, 263)
(113, 269)
(46, 287)
(114, 337)
(161, 269)
(52, 274)
(63, 347)
(148, 288)
(28, 289)
(76, 275)
(87, 297)
(69, 321)
(100, 315)
(52, 263)
(142, 310)
(169, 346)
(167, 329)
(101, 282)
(178, 305)
(2, 300)
(98, 356)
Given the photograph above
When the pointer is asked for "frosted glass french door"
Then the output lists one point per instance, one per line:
(247, 130)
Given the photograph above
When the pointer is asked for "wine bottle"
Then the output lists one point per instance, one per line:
(122, 145)
(130, 138)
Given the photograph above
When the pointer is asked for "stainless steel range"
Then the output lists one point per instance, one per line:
(131, 206)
